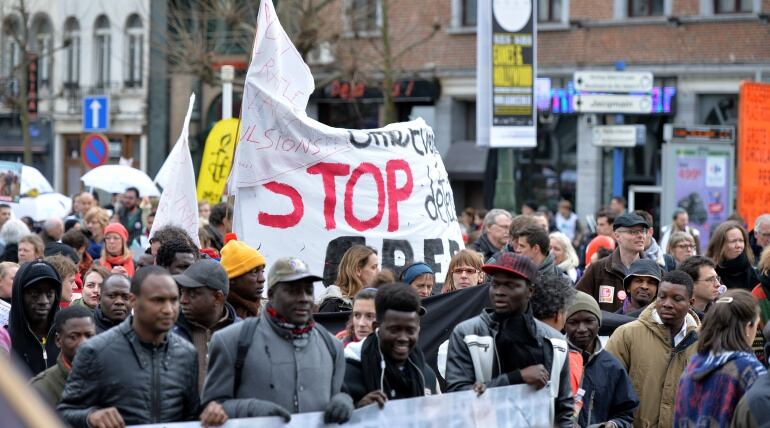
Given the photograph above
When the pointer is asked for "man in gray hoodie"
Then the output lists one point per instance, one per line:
(281, 361)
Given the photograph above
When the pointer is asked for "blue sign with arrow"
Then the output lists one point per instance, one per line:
(96, 113)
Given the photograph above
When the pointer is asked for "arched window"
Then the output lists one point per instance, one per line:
(43, 47)
(71, 53)
(134, 51)
(102, 51)
(10, 52)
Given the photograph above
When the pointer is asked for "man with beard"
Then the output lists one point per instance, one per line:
(641, 286)
(114, 302)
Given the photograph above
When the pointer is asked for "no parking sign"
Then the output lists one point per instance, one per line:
(95, 150)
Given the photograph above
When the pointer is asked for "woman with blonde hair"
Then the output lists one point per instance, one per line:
(96, 220)
(116, 256)
(356, 271)
(681, 246)
(728, 248)
(564, 255)
(464, 271)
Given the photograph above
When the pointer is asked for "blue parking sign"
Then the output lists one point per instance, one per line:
(96, 113)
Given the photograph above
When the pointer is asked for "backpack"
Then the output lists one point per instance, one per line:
(246, 336)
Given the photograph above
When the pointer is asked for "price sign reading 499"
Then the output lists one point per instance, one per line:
(513, 63)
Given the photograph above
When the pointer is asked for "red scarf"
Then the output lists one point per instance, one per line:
(125, 260)
(283, 322)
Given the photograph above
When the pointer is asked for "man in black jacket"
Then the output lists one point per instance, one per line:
(34, 303)
(115, 373)
(388, 365)
(114, 302)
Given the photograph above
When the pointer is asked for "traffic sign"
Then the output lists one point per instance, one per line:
(596, 103)
(613, 81)
(96, 113)
(95, 150)
(618, 135)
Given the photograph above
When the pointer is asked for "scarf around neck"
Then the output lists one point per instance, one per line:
(397, 382)
(286, 329)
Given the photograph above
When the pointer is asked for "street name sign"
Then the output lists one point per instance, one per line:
(605, 103)
(613, 81)
(96, 113)
(618, 135)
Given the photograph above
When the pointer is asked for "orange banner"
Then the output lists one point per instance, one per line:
(754, 151)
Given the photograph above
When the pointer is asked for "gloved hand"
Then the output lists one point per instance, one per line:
(339, 410)
(267, 408)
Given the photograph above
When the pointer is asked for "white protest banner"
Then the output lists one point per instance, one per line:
(510, 406)
(308, 190)
(178, 203)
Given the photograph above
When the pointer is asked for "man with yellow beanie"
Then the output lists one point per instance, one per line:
(245, 268)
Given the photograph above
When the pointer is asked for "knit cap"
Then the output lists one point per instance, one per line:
(585, 302)
(117, 228)
(238, 258)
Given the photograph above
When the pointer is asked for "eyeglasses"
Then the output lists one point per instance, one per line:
(712, 280)
(686, 246)
(468, 271)
(633, 232)
(502, 226)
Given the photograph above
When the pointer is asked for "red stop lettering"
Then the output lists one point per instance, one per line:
(353, 221)
(283, 221)
(397, 194)
(328, 172)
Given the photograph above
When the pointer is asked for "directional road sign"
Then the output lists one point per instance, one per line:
(613, 81)
(595, 103)
(618, 135)
(95, 150)
(96, 114)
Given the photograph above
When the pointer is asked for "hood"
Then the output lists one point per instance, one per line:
(703, 365)
(649, 317)
(18, 316)
(331, 292)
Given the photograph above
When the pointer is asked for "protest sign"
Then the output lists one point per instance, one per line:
(305, 189)
(10, 181)
(217, 160)
(178, 205)
(509, 406)
(753, 150)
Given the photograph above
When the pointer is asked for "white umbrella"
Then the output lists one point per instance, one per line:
(43, 206)
(31, 178)
(118, 178)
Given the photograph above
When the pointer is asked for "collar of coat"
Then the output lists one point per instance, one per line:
(650, 319)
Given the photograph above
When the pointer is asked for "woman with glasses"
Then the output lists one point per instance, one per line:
(564, 255)
(728, 247)
(464, 271)
(681, 246)
(725, 366)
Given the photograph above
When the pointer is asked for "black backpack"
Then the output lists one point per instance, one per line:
(246, 336)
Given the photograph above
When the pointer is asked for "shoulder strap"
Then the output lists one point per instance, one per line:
(245, 338)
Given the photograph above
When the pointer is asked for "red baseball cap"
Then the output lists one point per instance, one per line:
(514, 264)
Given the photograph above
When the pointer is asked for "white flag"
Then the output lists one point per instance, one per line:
(178, 202)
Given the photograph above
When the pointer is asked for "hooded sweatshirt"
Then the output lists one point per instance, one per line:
(37, 353)
(711, 387)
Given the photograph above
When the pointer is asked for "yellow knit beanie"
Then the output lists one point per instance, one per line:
(238, 258)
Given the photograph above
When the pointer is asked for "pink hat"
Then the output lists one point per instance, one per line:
(117, 228)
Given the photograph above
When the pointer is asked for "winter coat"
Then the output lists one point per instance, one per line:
(10, 253)
(102, 322)
(645, 349)
(332, 300)
(603, 279)
(711, 387)
(37, 355)
(299, 377)
(738, 273)
(473, 356)
(754, 408)
(609, 394)
(362, 378)
(94, 249)
(483, 246)
(147, 384)
(50, 383)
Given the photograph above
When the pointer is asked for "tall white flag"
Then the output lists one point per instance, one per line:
(178, 202)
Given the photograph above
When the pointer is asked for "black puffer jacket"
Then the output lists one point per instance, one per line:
(147, 385)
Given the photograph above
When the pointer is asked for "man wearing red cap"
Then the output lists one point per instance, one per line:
(506, 345)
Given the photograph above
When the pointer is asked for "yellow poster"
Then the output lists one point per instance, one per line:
(217, 160)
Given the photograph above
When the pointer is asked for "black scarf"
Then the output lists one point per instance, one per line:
(517, 345)
(738, 273)
(398, 383)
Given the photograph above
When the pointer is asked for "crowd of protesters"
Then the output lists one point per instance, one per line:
(115, 328)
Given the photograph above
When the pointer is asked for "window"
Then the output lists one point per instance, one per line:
(645, 8)
(733, 6)
(549, 10)
(43, 47)
(468, 13)
(135, 50)
(11, 54)
(71, 54)
(365, 15)
(102, 51)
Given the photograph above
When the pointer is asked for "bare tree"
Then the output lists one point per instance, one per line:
(15, 25)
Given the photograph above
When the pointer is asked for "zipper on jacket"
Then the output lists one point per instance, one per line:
(155, 387)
